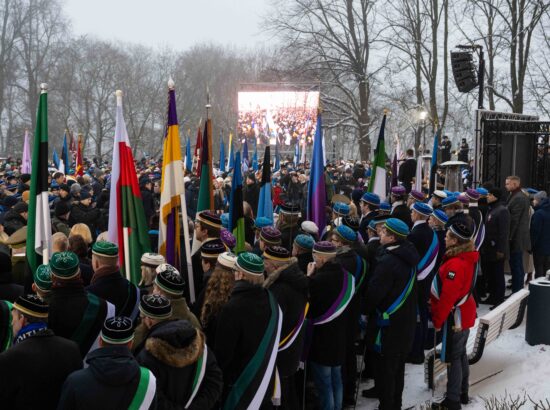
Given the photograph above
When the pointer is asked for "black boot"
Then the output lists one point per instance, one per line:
(371, 393)
(446, 405)
(464, 399)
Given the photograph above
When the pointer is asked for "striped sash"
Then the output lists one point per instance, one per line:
(291, 337)
(427, 263)
(200, 370)
(250, 389)
(480, 236)
(341, 302)
(145, 392)
(360, 271)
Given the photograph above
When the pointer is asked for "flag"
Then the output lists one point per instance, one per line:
(304, 147)
(231, 153)
(296, 155)
(377, 182)
(245, 153)
(79, 168)
(418, 174)
(316, 196)
(222, 154)
(65, 154)
(197, 154)
(265, 205)
(394, 171)
(127, 224)
(236, 212)
(255, 157)
(188, 158)
(433, 167)
(56, 159)
(277, 165)
(172, 195)
(39, 227)
(26, 162)
(206, 190)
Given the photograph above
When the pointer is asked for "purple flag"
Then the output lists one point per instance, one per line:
(316, 196)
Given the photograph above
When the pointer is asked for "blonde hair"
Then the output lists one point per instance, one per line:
(82, 230)
(60, 242)
(218, 290)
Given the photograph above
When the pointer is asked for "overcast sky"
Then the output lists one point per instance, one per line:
(175, 23)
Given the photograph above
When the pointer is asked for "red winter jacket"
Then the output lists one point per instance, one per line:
(456, 275)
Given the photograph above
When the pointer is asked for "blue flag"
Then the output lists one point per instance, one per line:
(188, 157)
(296, 155)
(255, 157)
(65, 154)
(55, 158)
(222, 154)
(265, 205)
(231, 153)
(433, 168)
(277, 159)
(245, 153)
(316, 196)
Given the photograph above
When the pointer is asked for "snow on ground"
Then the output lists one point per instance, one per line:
(525, 369)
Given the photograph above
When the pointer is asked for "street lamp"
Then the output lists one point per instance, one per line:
(334, 147)
(423, 115)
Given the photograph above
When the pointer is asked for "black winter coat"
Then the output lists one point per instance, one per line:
(402, 212)
(303, 260)
(33, 371)
(363, 225)
(328, 344)
(540, 228)
(148, 204)
(407, 171)
(172, 359)
(13, 221)
(110, 382)
(288, 234)
(86, 215)
(251, 194)
(497, 232)
(289, 285)
(9, 291)
(390, 277)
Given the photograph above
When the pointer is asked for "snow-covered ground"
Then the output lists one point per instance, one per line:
(525, 369)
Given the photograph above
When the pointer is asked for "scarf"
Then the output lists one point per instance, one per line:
(30, 330)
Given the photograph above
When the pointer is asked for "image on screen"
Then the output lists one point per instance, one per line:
(289, 116)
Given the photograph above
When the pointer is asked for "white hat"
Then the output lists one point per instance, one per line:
(152, 259)
(310, 227)
(440, 194)
(227, 259)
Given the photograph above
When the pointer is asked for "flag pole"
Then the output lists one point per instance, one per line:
(45, 215)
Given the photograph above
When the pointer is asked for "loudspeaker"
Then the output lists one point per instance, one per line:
(464, 71)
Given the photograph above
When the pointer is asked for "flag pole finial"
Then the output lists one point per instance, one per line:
(119, 94)
(43, 88)
(386, 111)
(171, 83)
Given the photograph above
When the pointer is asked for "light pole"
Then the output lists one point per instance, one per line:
(334, 148)
(422, 115)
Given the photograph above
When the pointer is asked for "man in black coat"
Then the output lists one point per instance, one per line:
(495, 248)
(301, 250)
(390, 330)
(399, 208)
(33, 370)
(407, 171)
(146, 188)
(175, 351)
(83, 212)
(8, 290)
(250, 316)
(369, 210)
(288, 224)
(445, 148)
(108, 283)
(289, 285)
(113, 378)
(16, 218)
(251, 191)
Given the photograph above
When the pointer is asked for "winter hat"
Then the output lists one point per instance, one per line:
(9, 201)
(212, 249)
(277, 253)
(351, 221)
(472, 194)
(270, 235)
(31, 305)
(372, 225)
(531, 191)
(227, 259)
(85, 194)
(250, 263)
(440, 194)
(62, 208)
(209, 218)
(105, 249)
(310, 228)
(262, 221)
(461, 230)
(496, 192)
(422, 208)
(152, 260)
(228, 239)
(169, 279)
(324, 248)
(440, 215)
(290, 209)
(340, 208)
(450, 200)
(539, 196)
(117, 330)
(65, 187)
(304, 241)
(463, 199)
(64, 265)
(21, 207)
(482, 191)
(397, 226)
(43, 278)
(346, 233)
(371, 199)
(155, 307)
(385, 206)
(419, 196)
(398, 190)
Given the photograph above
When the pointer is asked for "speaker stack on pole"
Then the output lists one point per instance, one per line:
(464, 71)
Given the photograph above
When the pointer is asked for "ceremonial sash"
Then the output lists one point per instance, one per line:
(145, 392)
(480, 236)
(200, 370)
(88, 319)
(291, 337)
(250, 389)
(383, 319)
(427, 263)
(133, 290)
(341, 302)
(360, 271)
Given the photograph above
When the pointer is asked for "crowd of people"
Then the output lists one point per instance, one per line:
(279, 325)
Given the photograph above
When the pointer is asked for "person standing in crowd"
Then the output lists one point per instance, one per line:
(209, 257)
(207, 228)
(399, 209)
(83, 212)
(74, 313)
(288, 224)
(407, 171)
(289, 285)
(518, 206)
(149, 263)
(454, 311)
(330, 293)
(540, 233)
(146, 188)
(445, 148)
(269, 236)
(464, 151)
(496, 247)
(113, 378)
(60, 221)
(346, 183)
(391, 308)
(16, 218)
(33, 370)
(437, 221)
(437, 197)
(369, 210)
(108, 283)
(42, 283)
(301, 250)
(8, 290)
(249, 326)
(251, 191)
